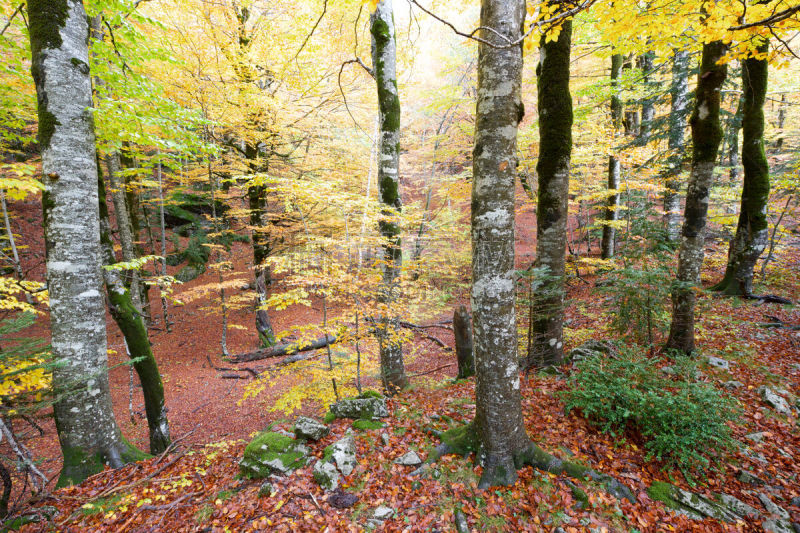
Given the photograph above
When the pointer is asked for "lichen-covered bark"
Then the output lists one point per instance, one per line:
(706, 137)
(612, 203)
(498, 415)
(384, 59)
(131, 324)
(732, 139)
(679, 92)
(752, 228)
(648, 103)
(87, 431)
(555, 148)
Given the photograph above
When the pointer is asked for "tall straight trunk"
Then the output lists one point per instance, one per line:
(612, 203)
(781, 122)
(259, 222)
(133, 206)
(498, 416)
(12, 243)
(163, 226)
(677, 142)
(130, 322)
(631, 118)
(125, 231)
(384, 59)
(733, 139)
(706, 137)
(648, 103)
(555, 148)
(752, 228)
(87, 431)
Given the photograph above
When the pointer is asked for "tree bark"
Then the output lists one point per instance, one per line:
(555, 147)
(631, 117)
(498, 416)
(88, 434)
(752, 227)
(706, 137)
(676, 143)
(279, 350)
(462, 332)
(384, 59)
(131, 324)
(648, 104)
(612, 203)
(733, 138)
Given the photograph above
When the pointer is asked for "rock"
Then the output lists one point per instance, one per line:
(344, 454)
(591, 348)
(270, 452)
(716, 362)
(364, 407)
(775, 401)
(409, 458)
(733, 384)
(341, 499)
(756, 437)
(690, 504)
(668, 370)
(796, 527)
(326, 475)
(737, 506)
(771, 507)
(796, 501)
(382, 512)
(308, 428)
(265, 489)
(189, 272)
(777, 526)
(385, 439)
(460, 521)
(750, 478)
(754, 455)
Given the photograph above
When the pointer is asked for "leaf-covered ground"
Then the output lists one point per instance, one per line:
(195, 486)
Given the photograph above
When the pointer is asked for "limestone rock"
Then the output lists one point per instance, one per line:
(383, 512)
(308, 428)
(774, 400)
(364, 407)
(591, 348)
(750, 478)
(409, 458)
(771, 507)
(737, 506)
(756, 437)
(326, 475)
(716, 362)
(777, 526)
(344, 454)
(272, 453)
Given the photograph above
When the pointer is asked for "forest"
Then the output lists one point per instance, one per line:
(376, 265)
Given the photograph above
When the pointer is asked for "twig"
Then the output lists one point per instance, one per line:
(430, 371)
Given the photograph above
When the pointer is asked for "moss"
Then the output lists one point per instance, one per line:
(78, 465)
(327, 454)
(364, 424)
(46, 18)
(580, 496)
(664, 493)
(269, 446)
(461, 440)
(370, 394)
(132, 454)
(329, 417)
(47, 126)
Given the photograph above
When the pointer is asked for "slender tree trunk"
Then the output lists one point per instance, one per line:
(162, 223)
(648, 104)
(631, 117)
(706, 137)
(498, 416)
(259, 222)
(123, 225)
(134, 207)
(12, 243)
(130, 322)
(384, 58)
(612, 203)
(462, 333)
(752, 228)
(676, 142)
(555, 147)
(733, 139)
(88, 434)
(781, 122)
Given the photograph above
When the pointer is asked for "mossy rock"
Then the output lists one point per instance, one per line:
(365, 425)
(363, 407)
(189, 272)
(272, 453)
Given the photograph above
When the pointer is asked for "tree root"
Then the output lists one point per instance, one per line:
(463, 441)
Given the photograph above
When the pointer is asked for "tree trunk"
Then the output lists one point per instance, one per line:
(259, 223)
(130, 322)
(631, 117)
(612, 203)
(706, 137)
(676, 142)
(555, 147)
(384, 58)
(733, 139)
(498, 417)
(648, 104)
(781, 122)
(462, 331)
(88, 434)
(134, 206)
(752, 228)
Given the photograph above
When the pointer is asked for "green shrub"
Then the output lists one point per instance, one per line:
(683, 422)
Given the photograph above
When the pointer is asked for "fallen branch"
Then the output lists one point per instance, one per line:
(285, 349)
(430, 371)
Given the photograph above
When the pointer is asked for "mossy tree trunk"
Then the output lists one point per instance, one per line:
(706, 137)
(87, 431)
(498, 423)
(679, 92)
(384, 60)
(555, 149)
(131, 324)
(752, 227)
(614, 168)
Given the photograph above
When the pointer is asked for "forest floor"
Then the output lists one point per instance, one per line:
(195, 486)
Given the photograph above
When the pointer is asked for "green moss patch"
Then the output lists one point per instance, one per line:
(272, 453)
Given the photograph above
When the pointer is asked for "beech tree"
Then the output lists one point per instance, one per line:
(706, 137)
(679, 93)
(612, 204)
(87, 431)
(384, 61)
(752, 228)
(555, 148)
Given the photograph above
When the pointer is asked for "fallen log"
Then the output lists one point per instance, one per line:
(284, 349)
